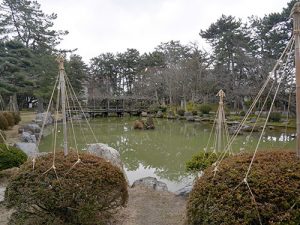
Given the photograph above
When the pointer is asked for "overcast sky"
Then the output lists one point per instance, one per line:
(99, 26)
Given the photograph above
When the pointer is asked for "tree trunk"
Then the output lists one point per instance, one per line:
(40, 105)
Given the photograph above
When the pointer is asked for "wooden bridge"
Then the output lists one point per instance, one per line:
(93, 111)
(103, 106)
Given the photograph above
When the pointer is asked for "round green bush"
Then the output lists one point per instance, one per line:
(17, 117)
(205, 108)
(221, 198)
(10, 118)
(202, 160)
(89, 193)
(11, 157)
(2, 137)
(3, 122)
(275, 117)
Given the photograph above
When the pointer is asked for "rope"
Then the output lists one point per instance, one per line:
(222, 156)
(68, 81)
(265, 124)
(72, 126)
(44, 123)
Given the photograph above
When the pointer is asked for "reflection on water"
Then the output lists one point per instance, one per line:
(162, 152)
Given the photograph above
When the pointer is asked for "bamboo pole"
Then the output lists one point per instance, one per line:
(220, 121)
(62, 85)
(296, 20)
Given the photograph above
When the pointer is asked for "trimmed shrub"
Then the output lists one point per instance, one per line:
(194, 112)
(205, 108)
(222, 198)
(17, 117)
(275, 117)
(3, 122)
(11, 157)
(154, 108)
(202, 160)
(10, 118)
(180, 112)
(87, 193)
(2, 137)
(163, 108)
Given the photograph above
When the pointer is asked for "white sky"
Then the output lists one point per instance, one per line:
(99, 26)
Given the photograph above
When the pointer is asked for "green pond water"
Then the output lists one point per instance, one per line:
(162, 152)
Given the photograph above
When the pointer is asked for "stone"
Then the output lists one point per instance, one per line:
(32, 128)
(29, 148)
(233, 129)
(2, 193)
(39, 119)
(106, 152)
(138, 124)
(185, 191)
(190, 118)
(151, 182)
(27, 137)
(76, 117)
(247, 128)
(159, 114)
(144, 114)
(186, 114)
(171, 115)
(197, 119)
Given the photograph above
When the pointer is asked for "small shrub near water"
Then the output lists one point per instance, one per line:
(11, 157)
(88, 194)
(10, 118)
(221, 198)
(3, 122)
(275, 117)
(205, 108)
(180, 112)
(202, 160)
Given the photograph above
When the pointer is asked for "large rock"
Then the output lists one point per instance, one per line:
(39, 119)
(106, 152)
(144, 114)
(28, 137)
(29, 148)
(185, 191)
(190, 118)
(187, 114)
(159, 114)
(151, 182)
(31, 128)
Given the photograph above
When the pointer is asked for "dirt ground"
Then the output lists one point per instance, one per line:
(149, 207)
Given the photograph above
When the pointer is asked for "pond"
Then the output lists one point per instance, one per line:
(162, 152)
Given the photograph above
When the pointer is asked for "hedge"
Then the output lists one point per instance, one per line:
(221, 198)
